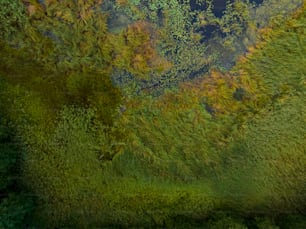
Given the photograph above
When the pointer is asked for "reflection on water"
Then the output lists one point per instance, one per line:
(218, 9)
(219, 6)
(118, 19)
(209, 31)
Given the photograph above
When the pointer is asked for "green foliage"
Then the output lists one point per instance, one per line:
(31, 82)
(15, 203)
(173, 19)
(292, 221)
(66, 23)
(94, 90)
(195, 40)
(14, 209)
(222, 220)
(254, 165)
(164, 147)
(63, 166)
(274, 10)
(12, 20)
(73, 36)
(131, 203)
(280, 65)
(266, 168)
(9, 155)
(223, 143)
(272, 150)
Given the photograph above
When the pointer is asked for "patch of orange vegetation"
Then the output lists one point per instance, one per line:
(139, 53)
(216, 90)
(31, 9)
(122, 2)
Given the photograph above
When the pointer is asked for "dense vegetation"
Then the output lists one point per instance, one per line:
(172, 114)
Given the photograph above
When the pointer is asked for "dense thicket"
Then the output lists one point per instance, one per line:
(225, 150)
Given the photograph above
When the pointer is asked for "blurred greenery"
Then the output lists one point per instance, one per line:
(265, 169)
(15, 202)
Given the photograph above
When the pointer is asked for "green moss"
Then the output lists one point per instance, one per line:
(63, 166)
(265, 170)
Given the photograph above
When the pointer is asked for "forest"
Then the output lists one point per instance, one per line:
(153, 114)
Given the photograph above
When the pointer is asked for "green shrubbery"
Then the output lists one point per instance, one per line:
(63, 165)
(13, 19)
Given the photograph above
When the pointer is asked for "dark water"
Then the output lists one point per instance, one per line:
(257, 2)
(218, 9)
(209, 31)
(219, 6)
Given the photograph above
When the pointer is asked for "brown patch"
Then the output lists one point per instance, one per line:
(31, 9)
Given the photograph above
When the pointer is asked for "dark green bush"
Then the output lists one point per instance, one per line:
(15, 202)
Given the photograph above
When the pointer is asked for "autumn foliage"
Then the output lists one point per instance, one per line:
(136, 51)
